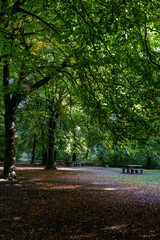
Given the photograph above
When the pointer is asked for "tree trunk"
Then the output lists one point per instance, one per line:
(74, 157)
(55, 156)
(10, 106)
(51, 135)
(33, 151)
(44, 151)
(44, 157)
(87, 154)
(116, 160)
(10, 153)
(149, 162)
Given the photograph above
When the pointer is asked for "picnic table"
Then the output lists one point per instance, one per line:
(74, 163)
(132, 168)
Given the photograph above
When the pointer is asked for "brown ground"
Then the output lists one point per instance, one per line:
(76, 204)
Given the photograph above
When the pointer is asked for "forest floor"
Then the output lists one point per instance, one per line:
(78, 203)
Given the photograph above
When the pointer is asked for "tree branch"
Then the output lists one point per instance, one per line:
(40, 19)
(76, 10)
(40, 83)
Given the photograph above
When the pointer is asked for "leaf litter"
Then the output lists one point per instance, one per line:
(72, 204)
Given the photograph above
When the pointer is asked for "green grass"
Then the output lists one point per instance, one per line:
(24, 160)
(21, 160)
(149, 178)
(4, 198)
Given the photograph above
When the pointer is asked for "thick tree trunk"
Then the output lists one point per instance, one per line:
(51, 135)
(33, 150)
(10, 153)
(55, 156)
(74, 157)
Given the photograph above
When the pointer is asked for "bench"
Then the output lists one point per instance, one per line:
(74, 163)
(135, 170)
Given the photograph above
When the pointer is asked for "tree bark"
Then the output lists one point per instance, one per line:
(51, 135)
(55, 156)
(10, 153)
(116, 160)
(33, 151)
(44, 151)
(44, 157)
(74, 157)
(149, 162)
(10, 106)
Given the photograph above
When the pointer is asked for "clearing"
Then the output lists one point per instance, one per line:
(80, 203)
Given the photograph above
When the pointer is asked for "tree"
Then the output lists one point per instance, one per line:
(15, 51)
(108, 52)
(1, 129)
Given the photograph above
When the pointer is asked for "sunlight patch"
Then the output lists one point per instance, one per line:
(17, 218)
(110, 189)
(61, 187)
(115, 228)
(150, 235)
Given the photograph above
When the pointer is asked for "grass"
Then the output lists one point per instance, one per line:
(27, 160)
(4, 198)
(150, 178)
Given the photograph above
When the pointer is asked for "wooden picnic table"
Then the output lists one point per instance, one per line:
(132, 168)
(74, 163)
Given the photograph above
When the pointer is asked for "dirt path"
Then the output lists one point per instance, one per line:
(86, 203)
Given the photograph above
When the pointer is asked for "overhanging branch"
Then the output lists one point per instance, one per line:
(40, 19)
(40, 83)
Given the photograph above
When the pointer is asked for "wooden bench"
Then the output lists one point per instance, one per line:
(74, 163)
(135, 170)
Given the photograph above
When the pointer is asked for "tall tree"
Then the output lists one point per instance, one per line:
(15, 51)
(107, 50)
